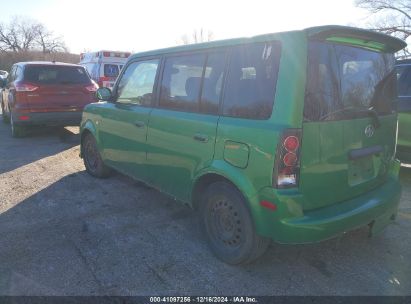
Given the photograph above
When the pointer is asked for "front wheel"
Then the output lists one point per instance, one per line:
(228, 225)
(92, 158)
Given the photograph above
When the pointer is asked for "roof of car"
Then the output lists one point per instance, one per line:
(47, 63)
(387, 43)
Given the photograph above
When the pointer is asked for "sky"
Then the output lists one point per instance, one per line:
(126, 25)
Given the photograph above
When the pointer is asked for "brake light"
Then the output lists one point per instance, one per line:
(24, 117)
(291, 143)
(290, 159)
(286, 169)
(92, 87)
(25, 87)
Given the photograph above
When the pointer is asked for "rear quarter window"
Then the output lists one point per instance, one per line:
(251, 81)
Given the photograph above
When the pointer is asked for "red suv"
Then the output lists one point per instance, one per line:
(45, 93)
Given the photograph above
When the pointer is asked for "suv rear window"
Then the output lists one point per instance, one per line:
(345, 82)
(111, 70)
(45, 74)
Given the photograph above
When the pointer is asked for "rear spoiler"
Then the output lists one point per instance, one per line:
(357, 37)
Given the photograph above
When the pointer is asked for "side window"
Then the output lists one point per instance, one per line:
(212, 84)
(251, 81)
(180, 86)
(136, 86)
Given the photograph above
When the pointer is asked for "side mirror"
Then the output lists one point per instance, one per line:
(104, 94)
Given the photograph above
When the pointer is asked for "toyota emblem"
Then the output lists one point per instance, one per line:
(369, 130)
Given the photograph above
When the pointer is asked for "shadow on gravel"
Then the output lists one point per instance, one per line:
(87, 236)
(38, 143)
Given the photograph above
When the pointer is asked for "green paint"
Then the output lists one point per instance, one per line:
(173, 150)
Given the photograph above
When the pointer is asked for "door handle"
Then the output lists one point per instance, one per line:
(201, 137)
(139, 124)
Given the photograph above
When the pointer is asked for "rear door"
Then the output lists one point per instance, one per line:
(124, 124)
(349, 129)
(182, 131)
(59, 88)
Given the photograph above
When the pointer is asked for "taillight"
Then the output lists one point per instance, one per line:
(286, 170)
(25, 87)
(92, 87)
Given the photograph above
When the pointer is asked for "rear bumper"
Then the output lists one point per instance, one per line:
(48, 119)
(292, 225)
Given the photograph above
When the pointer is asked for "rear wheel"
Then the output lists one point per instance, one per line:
(228, 225)
(16, 130)
(92, 158)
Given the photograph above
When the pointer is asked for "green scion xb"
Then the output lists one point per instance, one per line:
(287, 137)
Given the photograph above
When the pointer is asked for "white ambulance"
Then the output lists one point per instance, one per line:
(104, 66)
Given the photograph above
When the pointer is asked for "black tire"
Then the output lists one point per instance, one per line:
(92, 158)
(6, 119)
(16, 130)
(228, 225)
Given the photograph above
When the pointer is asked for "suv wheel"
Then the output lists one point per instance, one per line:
(228, 225)
(16, 131)
(92, 158)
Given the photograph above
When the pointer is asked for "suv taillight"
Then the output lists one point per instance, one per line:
(286, 171)
(92, 87)
(25, 87)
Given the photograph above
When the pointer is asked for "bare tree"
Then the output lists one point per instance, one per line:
(23, 34)
(47, 42)
(197, 36)
(392, 17)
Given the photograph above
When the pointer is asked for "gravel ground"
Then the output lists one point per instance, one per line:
(63, 232)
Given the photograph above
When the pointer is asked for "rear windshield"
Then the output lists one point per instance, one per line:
(111, 70)
(44, 74)
(345, 82)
